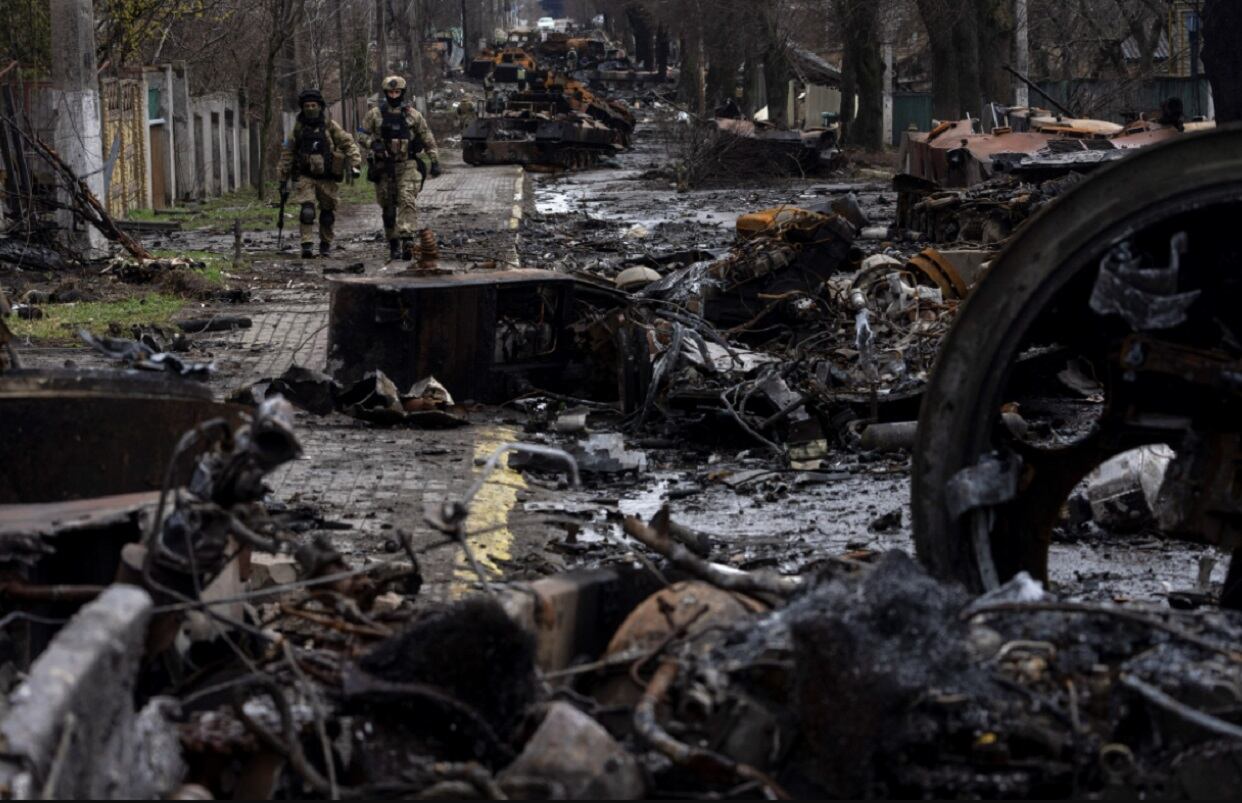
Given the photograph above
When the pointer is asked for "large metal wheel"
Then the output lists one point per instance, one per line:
(1164, 347)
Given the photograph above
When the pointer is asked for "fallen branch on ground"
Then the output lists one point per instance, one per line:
(724, 577)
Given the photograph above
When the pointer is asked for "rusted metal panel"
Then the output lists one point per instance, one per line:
(483, 335)
(53, 518)
(124, 107)
(952, 155)
(72, 434)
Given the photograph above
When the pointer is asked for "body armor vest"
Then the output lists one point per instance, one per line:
(315, 151)
(399, 139)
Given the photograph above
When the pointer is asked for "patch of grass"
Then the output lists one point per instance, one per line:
(216, 264)
(218, 214)
(61, 322)
(360, 192)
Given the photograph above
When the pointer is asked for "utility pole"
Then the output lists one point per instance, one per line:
(79, 123)
(1022, 52)
(381, 46)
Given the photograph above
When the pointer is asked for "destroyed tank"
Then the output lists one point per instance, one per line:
(559, 123)
(510, 65)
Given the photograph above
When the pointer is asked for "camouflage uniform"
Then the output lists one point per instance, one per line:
(466, 114)
(399, 162)
(313, 184)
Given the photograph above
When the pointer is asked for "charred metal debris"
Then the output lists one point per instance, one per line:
(168, 629)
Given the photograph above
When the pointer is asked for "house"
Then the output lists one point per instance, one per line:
(814, 90)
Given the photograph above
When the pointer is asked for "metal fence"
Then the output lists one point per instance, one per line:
(1122, 101)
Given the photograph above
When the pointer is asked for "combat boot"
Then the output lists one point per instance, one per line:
(325, 248)
(307, 251)
(407, 248)
(394, 249)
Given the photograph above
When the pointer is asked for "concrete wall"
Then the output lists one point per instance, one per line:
(809, 110)
(200, 159)
(183, 133)
(223, 156)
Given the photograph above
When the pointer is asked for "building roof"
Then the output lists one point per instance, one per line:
(814, 69)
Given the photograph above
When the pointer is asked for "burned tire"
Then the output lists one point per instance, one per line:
(1037, 296)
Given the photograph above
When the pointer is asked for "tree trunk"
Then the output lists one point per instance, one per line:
(662, 48)
(1222, 57)
(863, 74)
(700, 95)
(412, 33)
(340, 66)
(265, 127)
(849, 76)
(966, 48)
(776, 70)
(685, 88)
(640, 25)
(723, 63)
(946, 95)
(750, 82)
(996, 42)
(381, 45)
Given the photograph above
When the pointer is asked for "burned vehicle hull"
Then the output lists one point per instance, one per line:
(560, 124)
(508, 66)
(124, 430)
(791, 152)
(567, 142)
(1143, 298)
(959, 184)
(487, 336)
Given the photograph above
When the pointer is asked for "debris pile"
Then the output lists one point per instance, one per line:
(727, 150)
(986, 213)
(374, 398)
(317, 679)
(551, 120)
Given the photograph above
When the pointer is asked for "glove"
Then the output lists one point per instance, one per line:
(435, 170)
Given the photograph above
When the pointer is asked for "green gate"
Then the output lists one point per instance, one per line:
(911, 108)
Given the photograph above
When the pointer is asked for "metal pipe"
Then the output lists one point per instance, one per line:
(1034, 86)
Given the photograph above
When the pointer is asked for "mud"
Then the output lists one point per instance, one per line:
(371, 483)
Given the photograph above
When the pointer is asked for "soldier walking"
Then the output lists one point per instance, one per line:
(315, 157)
(402, 152)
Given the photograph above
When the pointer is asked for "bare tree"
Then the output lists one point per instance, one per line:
(283, 16)
(864, 70)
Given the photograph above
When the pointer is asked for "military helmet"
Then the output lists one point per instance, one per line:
(394, 82)
(311, 94)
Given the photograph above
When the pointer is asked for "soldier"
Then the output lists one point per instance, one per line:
(466, 114)
(316, 157)
(402, 151)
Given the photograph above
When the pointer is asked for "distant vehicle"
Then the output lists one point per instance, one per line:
(546, 24)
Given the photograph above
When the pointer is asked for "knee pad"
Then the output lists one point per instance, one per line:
(390, 217)
(308, 213)
(327, 217)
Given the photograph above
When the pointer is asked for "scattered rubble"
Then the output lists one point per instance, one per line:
(172, 627)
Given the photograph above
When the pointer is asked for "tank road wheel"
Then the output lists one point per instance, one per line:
(1163, 348)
